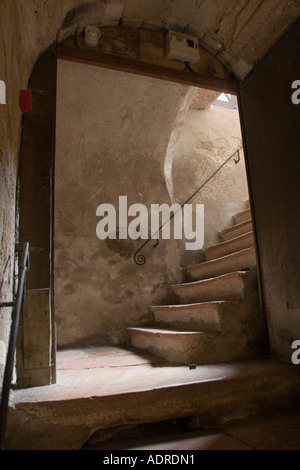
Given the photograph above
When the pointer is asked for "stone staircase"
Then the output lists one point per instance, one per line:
(218, 317)
(217, 320)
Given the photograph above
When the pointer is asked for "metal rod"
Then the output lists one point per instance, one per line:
(141, 259)
(12, 344)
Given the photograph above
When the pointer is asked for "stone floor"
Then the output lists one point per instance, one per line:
(277, 432)
(107, 371)
(104, 372)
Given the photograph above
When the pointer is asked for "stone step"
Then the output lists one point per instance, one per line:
(240, 261)
(227, 317)
(228, 247)
(63, 416)
(236, 230)
(173, 345)
(225, 287)
(242, 216)
(199, 347)
(204, 316)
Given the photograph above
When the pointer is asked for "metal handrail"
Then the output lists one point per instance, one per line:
(17, 304)
(141, 259)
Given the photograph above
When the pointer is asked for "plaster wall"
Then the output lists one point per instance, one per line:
(206, 139)
(119, 134)
(113, 131)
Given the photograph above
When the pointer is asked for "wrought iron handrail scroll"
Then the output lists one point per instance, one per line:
(139, 258)
(17, 304)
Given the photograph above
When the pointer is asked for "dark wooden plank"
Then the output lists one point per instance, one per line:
(271, 124)
(99, 59)
(37, 329)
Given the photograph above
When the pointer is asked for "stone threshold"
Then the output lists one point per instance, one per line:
(84, 401)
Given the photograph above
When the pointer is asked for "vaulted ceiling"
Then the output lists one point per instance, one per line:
(237, 32)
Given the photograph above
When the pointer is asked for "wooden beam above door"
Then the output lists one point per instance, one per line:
(142, 52)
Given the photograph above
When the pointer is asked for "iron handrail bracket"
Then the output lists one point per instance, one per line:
(139, 258)
(17, 304)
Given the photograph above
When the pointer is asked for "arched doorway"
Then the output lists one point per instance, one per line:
(37, 340)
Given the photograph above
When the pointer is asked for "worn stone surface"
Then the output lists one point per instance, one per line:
(236, 331)
(278, 431)
(83, 402)
(228, 286)
(225, 248)
(240, 261)
(242, 216)
(218, 317)
(236, 230)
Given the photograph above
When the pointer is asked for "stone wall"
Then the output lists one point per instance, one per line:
(26, 30)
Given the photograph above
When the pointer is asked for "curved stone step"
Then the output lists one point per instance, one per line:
(205, 316)
(240, 261)
(226, 287)
(198, 347)
(173, 345)
(231, 246)
(242, 216)
(236, 230)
